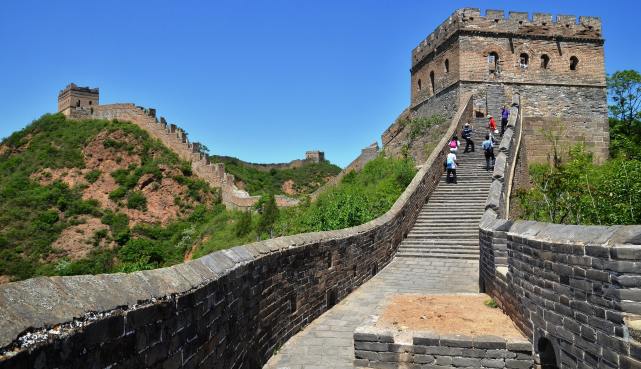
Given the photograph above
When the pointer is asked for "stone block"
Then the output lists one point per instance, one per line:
(489, 342)
(493, 363)
(426, 339)
(457, 340)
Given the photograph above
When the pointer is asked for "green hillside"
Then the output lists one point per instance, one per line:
(306, 179)
(97, 196)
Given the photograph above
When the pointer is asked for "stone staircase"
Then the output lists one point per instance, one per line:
(447, 226)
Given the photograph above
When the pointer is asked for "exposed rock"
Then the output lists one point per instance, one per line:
(77, 241)
(288, 187)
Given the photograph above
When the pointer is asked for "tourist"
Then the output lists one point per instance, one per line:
(491, 125)
(488, 149)
(467, 135)
(505, 114)
(451, 166)
(454, 144)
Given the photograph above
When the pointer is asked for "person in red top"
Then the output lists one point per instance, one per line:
(492, 124)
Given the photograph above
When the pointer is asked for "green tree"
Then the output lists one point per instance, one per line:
(624, 88)
(268, 214)
(244, 224)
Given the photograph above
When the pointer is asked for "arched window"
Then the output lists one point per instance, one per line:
(493, 61)
(545, 60)
(524, 60)
(432, 81)
(419, 84)
(574, 62)
(447, 66)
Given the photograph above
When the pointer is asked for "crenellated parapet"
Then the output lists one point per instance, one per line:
(515, 24)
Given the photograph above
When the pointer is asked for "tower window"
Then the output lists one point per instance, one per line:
(432, 81)
(493, 61)
(574, 62)
(545, 61)
(419, 84)
(90, 102)
(524, 59)
(447, 66)
(78, 103)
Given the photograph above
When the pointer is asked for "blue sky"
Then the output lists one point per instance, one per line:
(261, 80)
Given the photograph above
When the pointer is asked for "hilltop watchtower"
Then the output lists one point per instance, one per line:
(556, 64)
(315, 156)
(74, 101)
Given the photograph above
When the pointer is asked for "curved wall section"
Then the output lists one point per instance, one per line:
(574, 290)
(229, 309)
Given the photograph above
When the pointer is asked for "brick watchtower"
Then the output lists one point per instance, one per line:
(556, 64)
(77, 102)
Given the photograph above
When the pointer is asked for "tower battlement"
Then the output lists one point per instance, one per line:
(516, 24)
(78, 101)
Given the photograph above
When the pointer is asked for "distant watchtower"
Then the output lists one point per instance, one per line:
(76, 101)
(315, 156)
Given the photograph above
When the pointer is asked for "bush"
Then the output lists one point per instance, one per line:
(118, 193)
(268, 214)
(359, 198)
(580, 192)
(92, 176)
(136, 200)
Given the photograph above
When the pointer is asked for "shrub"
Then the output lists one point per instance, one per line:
(118, 193)
(491, 303)
(136, 200)
(92, 176)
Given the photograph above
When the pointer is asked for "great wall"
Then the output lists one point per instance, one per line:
(574, 291)
(83, 103)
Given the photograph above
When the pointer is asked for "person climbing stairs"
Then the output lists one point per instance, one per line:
(447, 226)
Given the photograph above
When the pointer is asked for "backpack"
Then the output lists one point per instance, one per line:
(453, 144)
(450, 162)
(488, 148)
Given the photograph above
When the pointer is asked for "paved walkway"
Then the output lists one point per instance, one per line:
(327, 342)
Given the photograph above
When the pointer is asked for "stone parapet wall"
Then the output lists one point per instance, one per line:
(572, 289)
(177, 140)
(377, 348)
(229, 309)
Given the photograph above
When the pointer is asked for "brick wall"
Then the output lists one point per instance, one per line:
(574, 290)
(229, 309)
(377, 348)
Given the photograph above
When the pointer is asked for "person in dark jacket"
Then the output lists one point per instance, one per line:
(505, 114)
(467, 135)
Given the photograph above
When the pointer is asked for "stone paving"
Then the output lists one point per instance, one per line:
(327, 342)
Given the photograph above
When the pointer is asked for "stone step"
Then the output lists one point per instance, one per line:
(453, 243)
(457, 248)
(445, 235)
(438, 256)
(448, 216)
(439, 251)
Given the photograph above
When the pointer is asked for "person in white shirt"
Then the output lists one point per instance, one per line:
(451, 166)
